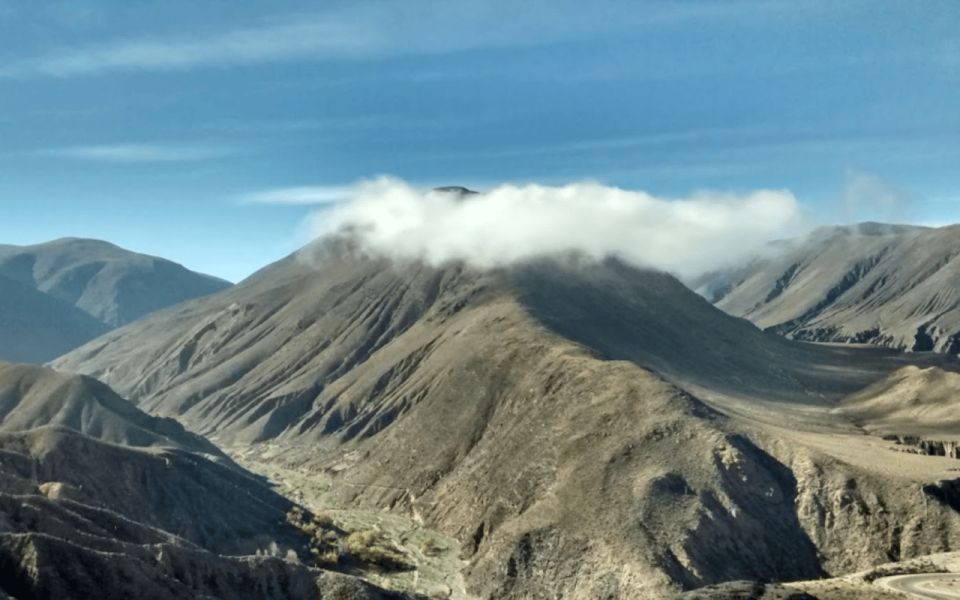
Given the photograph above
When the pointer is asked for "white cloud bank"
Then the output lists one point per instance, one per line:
(709, 230)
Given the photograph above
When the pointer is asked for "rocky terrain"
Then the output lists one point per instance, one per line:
(32, 397)
(108, 502)
(582, 429)
(941, 572)
(893, 286)
(910, 402)
(57, 295)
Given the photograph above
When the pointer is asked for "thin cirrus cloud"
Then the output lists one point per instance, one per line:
(372, 29)
(138, 153)
(241, 46)
(301, 195)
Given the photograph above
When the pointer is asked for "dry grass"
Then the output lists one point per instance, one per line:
(431, 547)
(331, 546)
(371, 548)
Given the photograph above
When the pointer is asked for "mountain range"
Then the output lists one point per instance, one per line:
(58, 295)
(584, 429)
(891, 285)
(99, 500)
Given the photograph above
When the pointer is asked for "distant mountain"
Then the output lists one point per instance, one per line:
(889, 285)
(550, 415)
(57, 295)
(910, 402)
(35, 327)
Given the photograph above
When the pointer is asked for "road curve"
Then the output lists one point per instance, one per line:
(923, 585)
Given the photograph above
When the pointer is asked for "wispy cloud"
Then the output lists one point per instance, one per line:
(138, 153)
(242, 46)
(344, 124)
(301, 196)
(690, 137)
(375, 29)
(868, 197)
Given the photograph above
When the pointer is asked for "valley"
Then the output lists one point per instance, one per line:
(492, 411)
(479, 300)
(436, 558)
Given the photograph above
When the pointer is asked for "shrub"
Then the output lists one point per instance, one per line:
(902, 569)
(323, 520)
(370, 548)
(431, 547)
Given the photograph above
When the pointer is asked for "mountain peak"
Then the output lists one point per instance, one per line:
(111, 285)
(459, 190)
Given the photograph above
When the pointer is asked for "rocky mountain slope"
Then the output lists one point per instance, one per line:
(261, 359)
(100, 500)
(33, 397)
(67, 529)
(543, 415)
(894, 286)
(55, 296)
(910, 402)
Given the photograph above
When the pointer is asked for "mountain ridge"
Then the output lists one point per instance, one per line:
(35, 327)
(890, 286)
(98, 499)
(56, 295)
(548, 415)
(33, 396)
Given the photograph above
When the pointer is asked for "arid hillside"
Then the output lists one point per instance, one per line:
(57, 295)
(104, 501)
(893, 286)
(547, 415)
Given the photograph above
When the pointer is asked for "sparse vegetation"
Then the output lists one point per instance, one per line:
(371, 548)
(332, 547)
(432, 548)
(908, 568)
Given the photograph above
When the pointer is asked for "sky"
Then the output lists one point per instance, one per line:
(208, 132)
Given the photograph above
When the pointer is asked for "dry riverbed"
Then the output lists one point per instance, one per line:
(436, 557)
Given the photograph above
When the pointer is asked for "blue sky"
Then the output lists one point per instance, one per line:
(157, 125)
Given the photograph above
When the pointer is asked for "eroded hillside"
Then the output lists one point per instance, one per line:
(543, 416)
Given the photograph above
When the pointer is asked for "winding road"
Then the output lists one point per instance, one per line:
(935, 586)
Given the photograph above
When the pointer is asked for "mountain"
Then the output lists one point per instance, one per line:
(113, 285)
(890, 285)
(911, 402)
(584, 429)
(80, 518)
(35, 327)
(82, 435)
(269, 357)
(55, 296)
(100, 500)
(33, 397)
